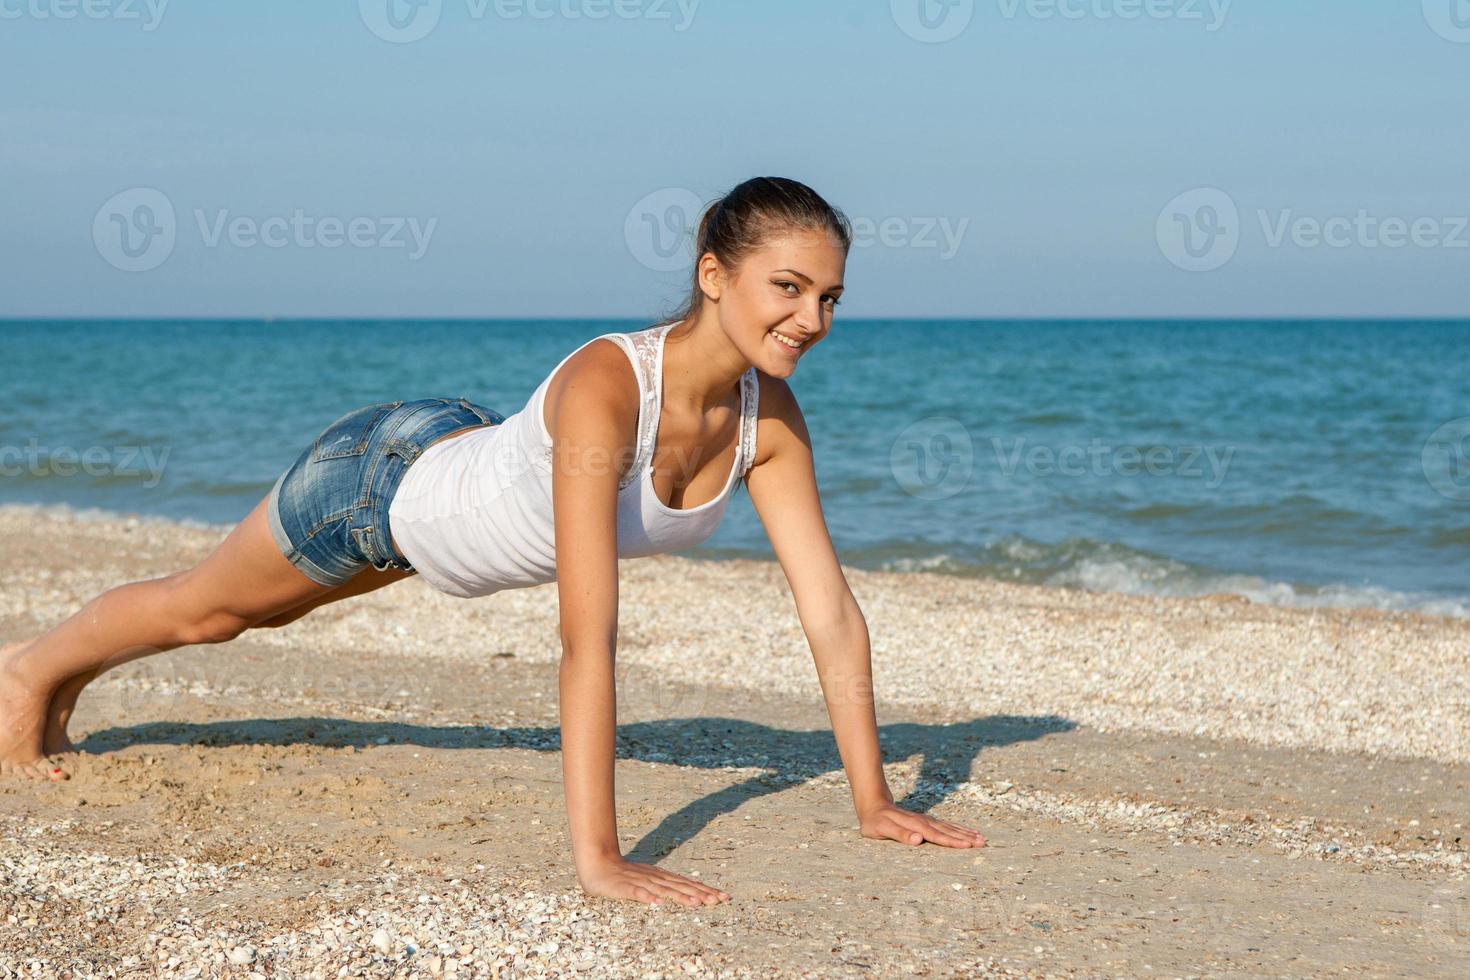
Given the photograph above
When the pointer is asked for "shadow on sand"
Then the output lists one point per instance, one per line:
(789, 758)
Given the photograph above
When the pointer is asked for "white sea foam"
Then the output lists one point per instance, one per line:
(1114, 569)
(103, 514)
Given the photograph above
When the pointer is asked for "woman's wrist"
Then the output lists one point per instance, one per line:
(593, 866)
(596, 857)
(868, 804)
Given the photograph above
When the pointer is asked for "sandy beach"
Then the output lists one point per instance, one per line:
(1170, 787)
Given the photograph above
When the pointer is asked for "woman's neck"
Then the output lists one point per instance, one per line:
(701, 369)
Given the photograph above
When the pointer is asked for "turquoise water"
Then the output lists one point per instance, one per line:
(1300, 463)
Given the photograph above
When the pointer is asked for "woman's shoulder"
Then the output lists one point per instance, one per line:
(599, 378)
(778, 417)
(601, 365)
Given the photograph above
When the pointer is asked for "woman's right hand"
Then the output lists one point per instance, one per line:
(621, 878)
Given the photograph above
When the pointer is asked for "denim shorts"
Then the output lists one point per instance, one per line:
(329, 511)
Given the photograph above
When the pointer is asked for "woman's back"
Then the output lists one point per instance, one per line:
(473, 514)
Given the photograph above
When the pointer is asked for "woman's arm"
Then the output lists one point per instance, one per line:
(590, 417)
(783, 488)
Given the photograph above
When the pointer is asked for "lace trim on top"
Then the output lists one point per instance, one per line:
(647, 350)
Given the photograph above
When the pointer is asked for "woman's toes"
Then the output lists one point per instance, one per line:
(49, 769)
(40, 769)
(15, 770)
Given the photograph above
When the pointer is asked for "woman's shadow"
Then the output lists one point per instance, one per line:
(787, 758)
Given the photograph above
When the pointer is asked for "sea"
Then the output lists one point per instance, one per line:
(1303, 463)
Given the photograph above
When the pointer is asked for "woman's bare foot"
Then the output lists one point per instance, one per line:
(24, 710)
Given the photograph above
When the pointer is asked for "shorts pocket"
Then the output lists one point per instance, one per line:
(349, 435)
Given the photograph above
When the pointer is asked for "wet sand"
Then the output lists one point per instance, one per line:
(1170, 787)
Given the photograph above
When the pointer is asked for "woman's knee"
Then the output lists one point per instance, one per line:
(219, 626)
(193, 618)
(283, 619)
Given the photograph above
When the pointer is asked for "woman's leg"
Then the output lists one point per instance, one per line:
(64, 701)
(243, 581)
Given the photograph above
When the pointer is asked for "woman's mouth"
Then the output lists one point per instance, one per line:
(789, 346)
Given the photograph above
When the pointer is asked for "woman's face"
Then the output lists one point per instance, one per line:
(788, 287)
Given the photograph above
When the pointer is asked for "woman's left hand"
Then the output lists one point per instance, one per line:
(892, 822)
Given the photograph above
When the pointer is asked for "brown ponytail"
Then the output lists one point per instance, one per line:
(751, 214)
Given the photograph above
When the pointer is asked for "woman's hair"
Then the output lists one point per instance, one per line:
(750, 215)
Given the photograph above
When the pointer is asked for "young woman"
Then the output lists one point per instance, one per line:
(632, 446)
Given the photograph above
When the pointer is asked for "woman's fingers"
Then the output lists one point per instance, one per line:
(696, 888)
(660, 885)
(940, 834)
(685, 896)
(920, 829)
(649, 884)
(963, 831)
(957, 828)
(680, 890)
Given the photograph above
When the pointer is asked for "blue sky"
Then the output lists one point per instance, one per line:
(1052, 158)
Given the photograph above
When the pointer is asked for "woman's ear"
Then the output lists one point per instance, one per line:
(711, 276)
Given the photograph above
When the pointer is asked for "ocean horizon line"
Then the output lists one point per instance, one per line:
(1460, 320)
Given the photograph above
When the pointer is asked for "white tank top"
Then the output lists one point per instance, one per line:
(473, 514)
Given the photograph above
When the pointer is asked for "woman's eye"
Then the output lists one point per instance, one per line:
(834, 299)
(784, 284)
